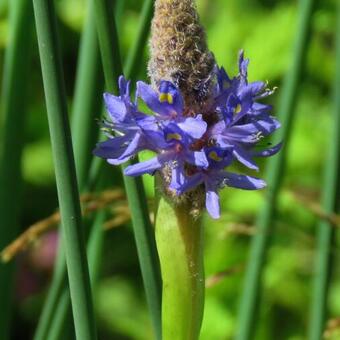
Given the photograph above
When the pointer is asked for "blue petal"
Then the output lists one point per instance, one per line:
(147, 167)
(217, 129)
(153, 134)
(243, 133)
(118, 161)
(232, 102)
(267, 125)
(112, 148)
(197, 158)
(174, 135)
(267, 152)
(155, 140)
(243, 65)
(251, 90)
(115, 107)
(212, 203)
(166, 87)
(151, 98)
(133, 147)
(244, 157)
(194, 127)
(219, 158)
(259, 108)
(177, 178)
(191, 182)
(124, 86)
(223, 142)
(243, 182)
(147, 123)
(222, 79)
(248, 133)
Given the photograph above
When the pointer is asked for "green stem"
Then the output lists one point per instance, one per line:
(87, 64)
(54, 297)
(87, 103)
(65, 170)
(137, 49)
(87, 98)
(330, 201)
(13, 114)
(108, 43)
(143, 230)
(119, 7)
(62, 313)
(275, 171)
(179, 240)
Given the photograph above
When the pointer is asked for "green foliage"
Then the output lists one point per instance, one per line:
(265, 30)
(121, 309)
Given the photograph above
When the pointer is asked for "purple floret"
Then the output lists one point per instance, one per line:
(197, 148)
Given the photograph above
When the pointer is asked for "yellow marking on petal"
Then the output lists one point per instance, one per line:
(214, 156)
(171, 136)
(166, 97)
(238, 108)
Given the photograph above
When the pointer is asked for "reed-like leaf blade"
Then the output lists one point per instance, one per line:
(13, 116)
(57, 303)
(64, 170)
(275, 172)
(86, 106)
(143, 231)
(330, 204)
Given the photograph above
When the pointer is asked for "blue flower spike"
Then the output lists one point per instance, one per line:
(197, 147)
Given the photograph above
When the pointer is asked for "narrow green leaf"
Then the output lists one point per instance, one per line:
(330, 204)
(108, 43)
(65, 170)
(131, 68)
(57, 287)
(88, 98)
(62, 316)
(13, 114)
(86, 106)
(56, 307)
(119, 7)
(275, 172)
(62, 313)
(143, 231)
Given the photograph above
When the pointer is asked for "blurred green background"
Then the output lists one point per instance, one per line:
(265, 29)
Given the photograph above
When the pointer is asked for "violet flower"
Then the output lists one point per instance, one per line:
(197, 147)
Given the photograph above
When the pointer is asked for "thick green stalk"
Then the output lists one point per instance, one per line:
(330, 204)
(143, 231)
(275, 171)
(179, 240)
(86, 106)
(13, 114)
(72, 232)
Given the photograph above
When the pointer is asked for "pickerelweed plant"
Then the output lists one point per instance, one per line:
(203, 121)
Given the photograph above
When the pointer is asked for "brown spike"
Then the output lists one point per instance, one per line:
(179, 52)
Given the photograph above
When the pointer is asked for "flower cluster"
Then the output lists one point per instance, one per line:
(196, 147)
